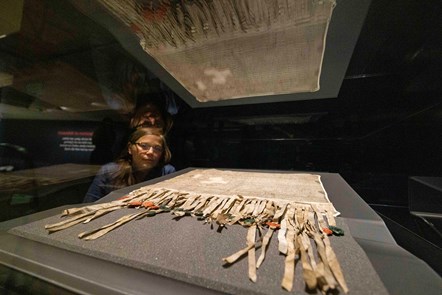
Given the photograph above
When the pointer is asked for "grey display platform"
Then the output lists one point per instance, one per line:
(187, 254)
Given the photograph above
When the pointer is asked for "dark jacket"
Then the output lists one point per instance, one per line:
(103, 181)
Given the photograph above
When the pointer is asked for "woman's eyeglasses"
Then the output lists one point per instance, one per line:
(146, 147)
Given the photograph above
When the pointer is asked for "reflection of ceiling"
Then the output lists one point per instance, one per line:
(49, 30)
(398, 51)
(5, 79)
(37, 60)
(62, 61)
(62, 85)
(11, 16)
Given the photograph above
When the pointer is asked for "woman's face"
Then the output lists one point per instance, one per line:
(146, 152)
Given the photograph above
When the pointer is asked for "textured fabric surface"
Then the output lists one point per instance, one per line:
(225, 49)
(294, 187)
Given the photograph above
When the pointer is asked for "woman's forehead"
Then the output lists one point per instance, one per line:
(151, 138)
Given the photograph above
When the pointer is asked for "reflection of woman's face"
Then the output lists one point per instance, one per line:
(146, 152)
(148, 116)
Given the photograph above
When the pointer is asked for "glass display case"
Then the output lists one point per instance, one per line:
(345, 89)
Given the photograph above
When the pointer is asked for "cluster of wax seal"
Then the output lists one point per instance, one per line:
(333, 230)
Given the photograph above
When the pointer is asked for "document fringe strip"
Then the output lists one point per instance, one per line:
(299, 228)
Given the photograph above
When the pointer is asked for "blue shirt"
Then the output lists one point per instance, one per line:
(103, 181)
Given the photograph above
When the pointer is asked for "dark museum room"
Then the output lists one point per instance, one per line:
(317, 121)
